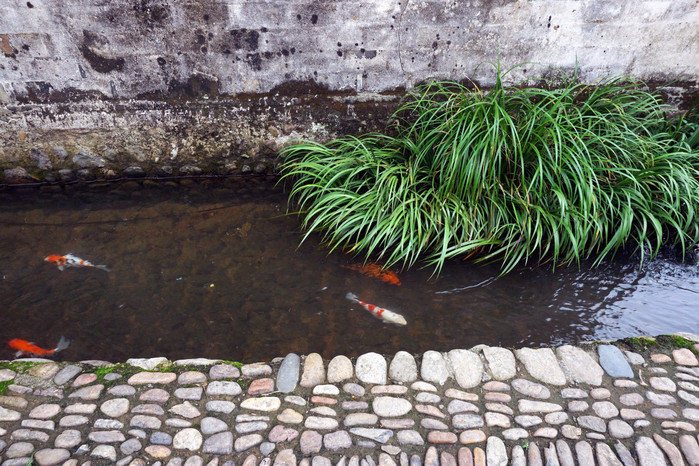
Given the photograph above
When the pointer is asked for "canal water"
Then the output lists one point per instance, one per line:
(213, 268)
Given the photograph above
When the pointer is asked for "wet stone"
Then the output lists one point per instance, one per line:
(121, 390)
(573, 393)
(90, 393)
(662, 383)
(660, 399)
(378, 435)
(270, 403)
(49, 456)
(403, 367)
(219, 444)
(430, 423)
(248, 427)
(409, 437)
(631, 399)
(501, 362)
(660, 358)
(387, 406)
(466, 366)
(145, 422)
(256, 370)
(45, 411)
(187, 439)
(212, 425)
(310, 442)
(73, 420)
(613, 362)
(191, 377)
(19, 449)
(685, 357)
(160, 438)
(247, 441)
(593, 423)
(663, 413)
(634, 358)
(132, 445)
(220, 406)
(605, 409)
(621, 383)
(186, 410)
(313, 371)
(529, 406)
(339, 440)
(579, 366)
(371, 368)
(459, 406)
(542, 365)
(288, 375)
(289, 416)
(600, 393)
(261, 386)
(282, 434)
(7, 375)
(115, 407)
(528, 421)
(144, 378)
(434, 368)
(223, 388)
(223, 371)
(467, 421)
(340, 368)
(66, 374)
(620, 429)
(440, 437)
(69, 438)
(631, 414)
(531, 389)
(354, 389)
(84, 379)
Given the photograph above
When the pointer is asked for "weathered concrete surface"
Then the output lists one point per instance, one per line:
(220, 85)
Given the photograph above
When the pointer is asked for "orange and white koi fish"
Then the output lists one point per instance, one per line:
(373, 270)
(70, 260)
(378, 312)
(24, 346)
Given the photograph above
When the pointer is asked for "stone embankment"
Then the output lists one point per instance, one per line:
(590, 404)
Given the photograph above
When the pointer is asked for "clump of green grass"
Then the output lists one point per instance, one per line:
(4, 385)
(561, 172)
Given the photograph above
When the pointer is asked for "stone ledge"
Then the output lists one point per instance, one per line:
(477, 406)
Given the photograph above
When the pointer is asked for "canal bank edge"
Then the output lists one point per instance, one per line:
(634, 401)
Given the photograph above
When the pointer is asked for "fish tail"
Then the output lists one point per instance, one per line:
(351, 296)
(62, 344)
(103, 267)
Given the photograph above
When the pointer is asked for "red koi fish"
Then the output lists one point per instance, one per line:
(23, 346)
(378, 312)
(373, 270)
(70, 260)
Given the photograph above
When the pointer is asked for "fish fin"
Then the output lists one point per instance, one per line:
(60, 267)
(62, 344)
(19, 353)
(351, 296)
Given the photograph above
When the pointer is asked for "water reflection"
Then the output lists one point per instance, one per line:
(214, 269)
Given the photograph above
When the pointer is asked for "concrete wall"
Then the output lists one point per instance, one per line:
(174, 86)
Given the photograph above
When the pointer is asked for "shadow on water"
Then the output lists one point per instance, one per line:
(214, 269)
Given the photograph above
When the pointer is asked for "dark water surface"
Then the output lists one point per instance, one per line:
(213, 269)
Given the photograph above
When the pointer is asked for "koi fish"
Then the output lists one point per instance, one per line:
(373, 270)
(23, 346)
(70, 260)
(378, 312)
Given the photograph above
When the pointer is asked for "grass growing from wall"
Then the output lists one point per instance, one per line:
(559, 172)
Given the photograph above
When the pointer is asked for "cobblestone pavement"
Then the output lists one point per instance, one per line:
(589, 404)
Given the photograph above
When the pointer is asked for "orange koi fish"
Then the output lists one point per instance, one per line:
(373, 270)
(378, 312)
(70, 260)
(23, 346)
